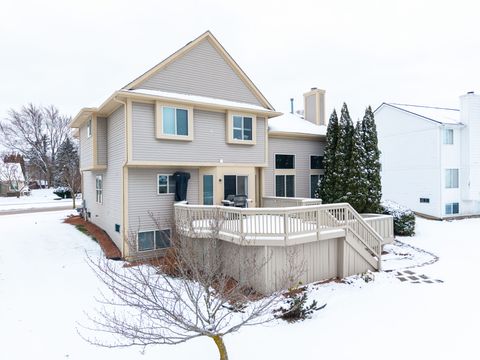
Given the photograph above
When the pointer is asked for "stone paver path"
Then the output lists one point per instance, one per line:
(414, 278)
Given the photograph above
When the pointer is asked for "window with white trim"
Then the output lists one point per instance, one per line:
(285, 185)
(175, 121)
(283, 161)
(153, 240)
(165, 184)
(316, 162)
(451, 178)
(315, 180)
(242, 127)
(452, 208)
(99, 189)
(89, 128)
(448, 136)
(235, 185)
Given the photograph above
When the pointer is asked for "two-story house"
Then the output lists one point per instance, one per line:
(194, 128)
(431, 156)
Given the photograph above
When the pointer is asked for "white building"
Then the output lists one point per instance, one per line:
(431, 156)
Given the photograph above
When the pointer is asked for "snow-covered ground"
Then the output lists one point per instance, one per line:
(41, 198)
(46, 285)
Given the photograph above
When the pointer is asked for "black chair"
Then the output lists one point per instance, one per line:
(240, 201)
(229, 200)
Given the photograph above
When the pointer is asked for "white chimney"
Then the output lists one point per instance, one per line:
(314, 105)
(470, 146)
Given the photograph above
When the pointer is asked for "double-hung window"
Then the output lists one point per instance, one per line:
(152, 240)
(448, 136)
(165, 184)
(99, 189)
(285, 185)
(451, 178)
(315, 180)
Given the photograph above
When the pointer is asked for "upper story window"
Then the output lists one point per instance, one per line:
(284, 161)
(316, 162)
(99, 189)
(451, 178)
(166, 184)
(448, 136)
(89, 128)
(241, 128)
(174, 122)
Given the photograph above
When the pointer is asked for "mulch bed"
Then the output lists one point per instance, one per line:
(109, 248)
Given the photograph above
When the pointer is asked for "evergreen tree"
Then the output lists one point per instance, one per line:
(356, 182)
(343, 155)
(372, 163)
(68, 167)
(326, 187)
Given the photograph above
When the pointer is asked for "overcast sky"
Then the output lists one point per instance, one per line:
(76, 53)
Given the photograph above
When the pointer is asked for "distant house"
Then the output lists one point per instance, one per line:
(194, 136)
(12, 180)
(431, 156)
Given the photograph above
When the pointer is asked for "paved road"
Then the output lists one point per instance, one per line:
(34, 210)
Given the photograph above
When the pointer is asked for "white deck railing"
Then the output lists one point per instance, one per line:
(289, 224)
(275, 201)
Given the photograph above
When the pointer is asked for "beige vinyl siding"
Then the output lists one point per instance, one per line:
(208, 146)
(201, 71)
(302, 149)
(101, 141)
(109, 213)
(143, 197)
(86, 148)
(311, 108)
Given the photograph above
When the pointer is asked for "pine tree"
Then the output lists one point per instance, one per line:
(343, 155)
(372, 163)
(68, 167)
(356, 182)
(327, 185)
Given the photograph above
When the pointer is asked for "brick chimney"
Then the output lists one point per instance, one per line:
(314, 105)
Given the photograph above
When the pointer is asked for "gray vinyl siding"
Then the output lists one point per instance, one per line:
(101, 141)
(209, 144)
(202, 71)
(109, 213)
(143, 197)
(86, 148)
(302, 149)
(310, 108)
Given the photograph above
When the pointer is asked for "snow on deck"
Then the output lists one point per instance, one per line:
(46, 285)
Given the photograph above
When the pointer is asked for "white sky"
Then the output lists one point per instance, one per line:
(76, 53)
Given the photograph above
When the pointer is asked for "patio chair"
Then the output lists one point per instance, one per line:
(240, 201)
(229, 200)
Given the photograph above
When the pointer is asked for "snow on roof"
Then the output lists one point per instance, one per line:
(200, 99)
(437, 114)
(294, 124)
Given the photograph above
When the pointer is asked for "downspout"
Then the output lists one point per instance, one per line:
(124, 167)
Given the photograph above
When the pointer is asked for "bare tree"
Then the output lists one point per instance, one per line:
(68, 167)
(11, 173)
(36, 133)
(186, 294)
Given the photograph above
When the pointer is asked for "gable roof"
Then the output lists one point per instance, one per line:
(292, 124)
(192, 44)
(438, 115)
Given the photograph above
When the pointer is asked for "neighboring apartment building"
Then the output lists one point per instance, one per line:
(197, 121)
(431, 156)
